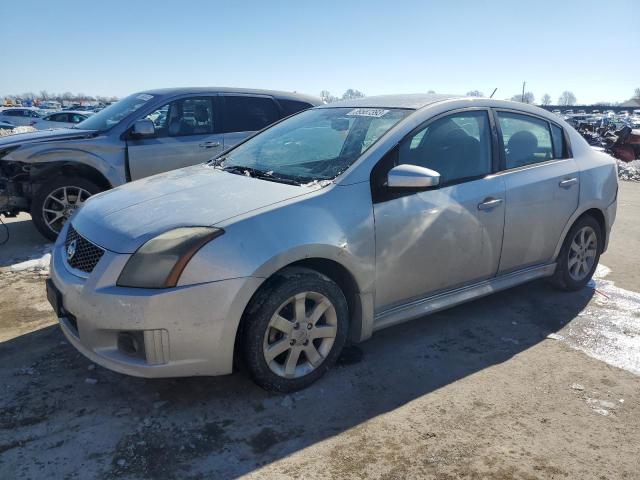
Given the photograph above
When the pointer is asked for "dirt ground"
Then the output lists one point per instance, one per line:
(529, 383)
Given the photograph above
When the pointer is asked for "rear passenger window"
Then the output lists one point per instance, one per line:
(188, 116)
(248, 114)
(292, 106)
(527, 140)
(457, 146)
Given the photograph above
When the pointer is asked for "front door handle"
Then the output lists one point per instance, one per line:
(489, 203)
(568, 182)
(209, 144)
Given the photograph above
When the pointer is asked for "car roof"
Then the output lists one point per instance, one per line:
(275, 93)
(80, 112)
(409, 100)
(17, 108)
(419, 101)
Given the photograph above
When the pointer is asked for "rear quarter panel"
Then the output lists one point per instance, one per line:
(598, 184)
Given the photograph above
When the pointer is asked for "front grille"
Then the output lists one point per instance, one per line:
(86, 255)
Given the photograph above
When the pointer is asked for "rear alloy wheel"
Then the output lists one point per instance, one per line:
(55, 202)
(579, 256)
(296, 328)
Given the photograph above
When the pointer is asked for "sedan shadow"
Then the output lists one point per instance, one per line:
(226, 426)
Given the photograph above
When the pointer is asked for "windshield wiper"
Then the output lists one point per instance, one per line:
(255, 173)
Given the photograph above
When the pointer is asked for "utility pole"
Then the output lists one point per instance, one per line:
(523, 84)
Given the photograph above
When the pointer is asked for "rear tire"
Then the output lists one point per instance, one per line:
(579, 255)
(55, 201)
(294, 330)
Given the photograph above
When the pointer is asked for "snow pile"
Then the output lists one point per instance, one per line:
(629, 170)
(38, 264)
(4, 132)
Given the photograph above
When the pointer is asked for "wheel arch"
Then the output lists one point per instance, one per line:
(594, 211)
(41, 173)
(360, 305)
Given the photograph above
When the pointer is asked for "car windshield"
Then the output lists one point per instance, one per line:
(317, 144)
(113, 114)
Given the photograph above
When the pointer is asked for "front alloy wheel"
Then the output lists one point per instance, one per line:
(294, 329)
(300, 335)
(60, 204)
(56, 201)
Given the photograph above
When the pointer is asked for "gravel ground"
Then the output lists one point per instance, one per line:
(529, 383)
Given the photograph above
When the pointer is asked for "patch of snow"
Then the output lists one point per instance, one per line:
(555, 336)
(38, 263)
(608, 329)
(6, 133)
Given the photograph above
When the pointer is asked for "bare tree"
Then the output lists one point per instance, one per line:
(351, 93)
(326, 97)
(567, 99)
(636, 93)
(546, 99)
(475, 93)
(44, 95)
(431, 92)
(526, 98)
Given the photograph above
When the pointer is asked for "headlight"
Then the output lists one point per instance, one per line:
(160, 262)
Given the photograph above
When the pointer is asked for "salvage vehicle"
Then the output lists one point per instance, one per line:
(334, 223)
(51, 173)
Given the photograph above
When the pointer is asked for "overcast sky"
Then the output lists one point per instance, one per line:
(117, 47)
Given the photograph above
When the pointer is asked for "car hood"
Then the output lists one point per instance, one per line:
(43, 136)
(122, 219)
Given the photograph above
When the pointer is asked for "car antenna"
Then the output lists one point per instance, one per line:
(494, 91)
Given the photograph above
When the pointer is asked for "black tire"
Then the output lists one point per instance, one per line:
(46, 189)
(266, 302)
(562, 278)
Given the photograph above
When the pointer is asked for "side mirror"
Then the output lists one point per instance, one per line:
(143, 128)
(412, 176)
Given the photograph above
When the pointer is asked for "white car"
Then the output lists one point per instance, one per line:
(61, 120)
(20, 116)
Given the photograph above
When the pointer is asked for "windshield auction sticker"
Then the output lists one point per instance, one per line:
(144, 97)
(367, 112)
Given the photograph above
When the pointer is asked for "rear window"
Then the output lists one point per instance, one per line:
(526, 139)
(293, 106)
(244, 113)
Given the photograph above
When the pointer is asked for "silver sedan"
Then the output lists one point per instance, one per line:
(326, 227)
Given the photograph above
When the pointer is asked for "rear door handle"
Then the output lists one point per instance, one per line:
(567, 182)
(209, 144)
(489, 203)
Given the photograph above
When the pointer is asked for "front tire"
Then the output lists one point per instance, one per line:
(579, 256)
(55, 201)
(295, 329)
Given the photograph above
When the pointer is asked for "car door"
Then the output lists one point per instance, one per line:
(448, 236)
(187, 133)
(245, 114)
(542, 188)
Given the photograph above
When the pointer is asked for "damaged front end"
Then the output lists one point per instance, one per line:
(15, 186)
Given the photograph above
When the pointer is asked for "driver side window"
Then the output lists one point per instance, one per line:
(187, 116)
(457, 146)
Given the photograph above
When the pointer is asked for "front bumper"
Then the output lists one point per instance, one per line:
(182, 331)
